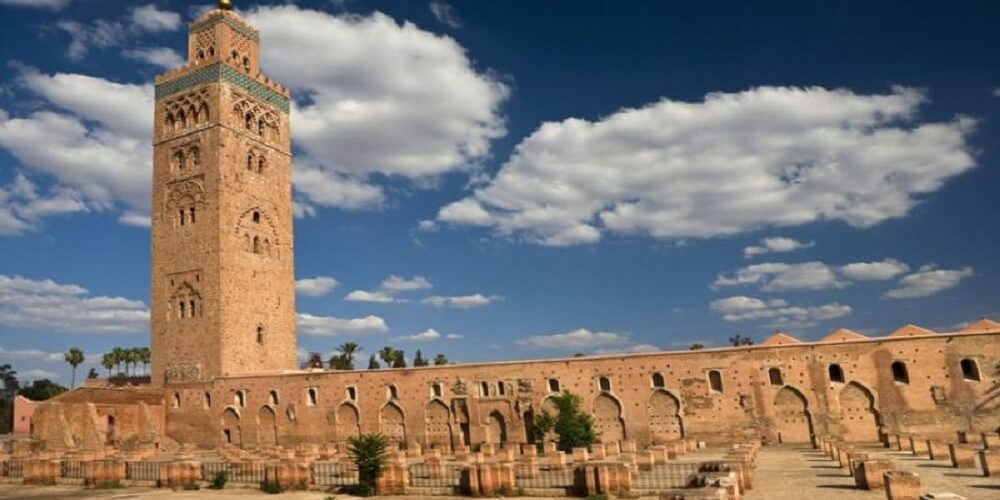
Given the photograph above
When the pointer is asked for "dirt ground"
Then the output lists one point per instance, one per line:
(783, 472)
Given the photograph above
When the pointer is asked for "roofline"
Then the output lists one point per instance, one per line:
(637, 355)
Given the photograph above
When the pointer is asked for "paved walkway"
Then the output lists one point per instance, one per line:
(801, 472)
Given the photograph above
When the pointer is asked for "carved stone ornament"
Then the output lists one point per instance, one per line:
(523, 385)
(939, 394)
(459, 387)
(186, 192)
(182, 371)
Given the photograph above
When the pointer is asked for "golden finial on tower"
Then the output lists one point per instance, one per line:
(226, 4)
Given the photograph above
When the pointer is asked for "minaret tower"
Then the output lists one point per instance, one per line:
(223, 289)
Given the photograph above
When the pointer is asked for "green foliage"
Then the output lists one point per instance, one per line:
(219, 480)
(419, 360)
(399, 359)
(388, 355)
(697, 347)
(341, 362)
(42, 389)
(74, 356)
(440, 359)
(738, 340)
(92, 374)
(373, 363)
(271, 487)
(539, 426)
(368, 451)
(574, 427)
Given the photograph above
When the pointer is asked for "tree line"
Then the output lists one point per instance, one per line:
(346, 354)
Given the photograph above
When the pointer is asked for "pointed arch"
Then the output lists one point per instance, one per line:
(437, 433)
(608, 422)
(859, 416)
(665, 421)
(392, 423)
(267, 427)
(348, 421)
(230, 425)
(496, 428)
(792, 421)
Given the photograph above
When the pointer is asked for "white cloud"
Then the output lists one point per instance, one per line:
(315, 287)
(874, 271)
(768, 156)
(30, 355)
(743, 308)
(577, 339)
(424, 336)
(996, 92)
(22, 207)
(50, 4)
(67, 308)
(391, 99)
(454, 336)
(928, 280)
(445, 14)
(376, 296)
(102, 34)
(776, 276)
(153, 20)
(97, 139)
(327, 326)
(399, 284)
(778, 244)
(162, 57)
(461, 301)
(36, 374)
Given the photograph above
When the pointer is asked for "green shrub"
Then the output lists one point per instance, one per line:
(271, 487)
(219, 480)
(574, 426)
(368, 451)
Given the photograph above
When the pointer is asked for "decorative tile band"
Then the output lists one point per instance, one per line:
(223, 73)
(208, 23)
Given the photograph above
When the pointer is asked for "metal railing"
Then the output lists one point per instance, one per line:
(142, 471)
(334, 474)
(72, 469)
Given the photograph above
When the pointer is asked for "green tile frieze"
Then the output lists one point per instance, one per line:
(223, 73)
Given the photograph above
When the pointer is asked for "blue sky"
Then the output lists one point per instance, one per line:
(499, 180)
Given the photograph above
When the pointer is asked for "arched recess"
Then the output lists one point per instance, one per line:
(665, 421)
(346, 422)
(461, 412)
(231, 427)
(859, 418)
(496, 428)
(267, 427)
(608, 422)
(791, 416)
(392, 423)
(437, 433)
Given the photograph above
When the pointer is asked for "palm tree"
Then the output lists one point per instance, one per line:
(399, 359)
(74, 356)
(388, 354)
(119, 356)
(738, 340)
(144, 357)
(440, 359)
(373, 363)
(418, 359)
(108, 362)
(348, 349)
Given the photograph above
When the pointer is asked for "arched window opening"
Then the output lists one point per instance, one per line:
(774, 376)
(261, 164)
(501, 390)
(177, 400)
(179, 161)
(192, 116)
(604, 383)
(203, 113)
(211, 51)
(836, 373)
(484, 389)
(899, 373)
(970, 370)
(311, 397)
(234, 55)
(436, 390)
(393, 393)
(352, 393)
(191, 311)
(181, 216)
(181, 120)
(191, 214)
(256, 244)
(715, 380)
(250, 121)
(246, 63)
(240, 398)
(250, 161)
(168, 122)
(207, 402)
(658, 381)
(260, 335)
(267, 247)
(553, 385)
(181, 310)
(195, 155)
(272, 397)
(255, 217)
(201, 55)
(261, 127)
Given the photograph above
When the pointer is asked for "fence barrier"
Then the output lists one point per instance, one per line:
(142, 471)
(72, 469)
(334, 474)
(436, 475)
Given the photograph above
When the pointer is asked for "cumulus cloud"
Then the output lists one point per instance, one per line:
(153, 20)
(327, 326)
(107, 33)
(399, 284)
(581, 338)
(49, 4)
(97, 135)
(30, 355)
(777, 276)
(67, 308)
(22, 206)
(161, 57)
(315, 287)
(378, 296)
(871, 271)
(778, 244)
(424, 336)
(445, 14)
(36, 374)
(743, 308)
(392, 99)
(461, 301)
(928, 280)
(768, 156)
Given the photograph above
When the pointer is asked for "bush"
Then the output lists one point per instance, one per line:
(219, 480)
(574, 427)
(271, 487)
(368, 453)
(192, 486)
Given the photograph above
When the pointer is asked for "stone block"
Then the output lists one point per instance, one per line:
(990, 440)
(580, 455)
(989, 460)
(937, 450)
(962, 455)
(870, 474)
(918, 445)
(902, 485)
